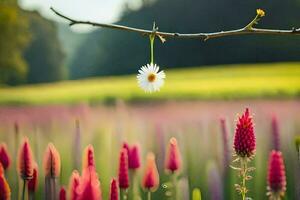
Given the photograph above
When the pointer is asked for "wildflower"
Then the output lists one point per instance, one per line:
(133, 156)
(244, 139)
(4, 156)
(150, 180)
(275, 134)
(123, 169)
(88, 159)
(33, 183)
(4, 189)
(114, 190)
(51, 162)
(276, 175)
(73, 185)
(62, 194)
(260, 12)
(89, 187)
(25, 164)
(149, 79)
(173, 159)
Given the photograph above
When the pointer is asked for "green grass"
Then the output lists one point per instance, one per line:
(278, 80)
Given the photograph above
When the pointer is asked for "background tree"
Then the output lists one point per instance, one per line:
(14, 37)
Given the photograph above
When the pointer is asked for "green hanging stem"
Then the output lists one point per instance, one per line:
(152, 38)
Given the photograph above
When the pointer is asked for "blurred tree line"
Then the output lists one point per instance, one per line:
(107, 52)
(30, 51)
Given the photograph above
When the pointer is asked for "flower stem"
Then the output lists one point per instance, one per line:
(24, 189)
(149, 195)
(174, 183)
(244, 177)
(152, 38)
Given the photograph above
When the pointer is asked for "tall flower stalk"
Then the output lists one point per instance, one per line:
(52, 171)
(244, 147)
(25, 165)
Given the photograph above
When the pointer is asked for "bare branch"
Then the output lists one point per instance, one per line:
(247, 30)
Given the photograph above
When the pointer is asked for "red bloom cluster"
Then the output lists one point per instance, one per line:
(73, 185)
(4, 156)
(123, 169)
(276, 174)
(51, 161)
(88, 159)
(151, 177)
(89, 187)
(244, 139)
(173, 158)
(25, 164)
(133, 155)
(114, 190)
(62, 194)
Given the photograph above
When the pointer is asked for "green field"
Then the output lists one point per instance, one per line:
(279, 80)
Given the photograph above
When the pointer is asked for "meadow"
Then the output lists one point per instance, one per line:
(277, 80)
(103, 112)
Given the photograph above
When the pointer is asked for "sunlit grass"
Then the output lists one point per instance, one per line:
(219, 82)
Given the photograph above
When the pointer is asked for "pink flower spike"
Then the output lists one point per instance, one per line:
(134, 157)
(25, 162)
(114, 190)
(62, 194)
(4, 156)
(173, 158)
(151, 177)
(276, 175)
(89, 187)
(73, 185)
(88, 159)
(244, 138)
(123, 169)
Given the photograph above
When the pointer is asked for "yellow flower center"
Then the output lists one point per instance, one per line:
(151, 77)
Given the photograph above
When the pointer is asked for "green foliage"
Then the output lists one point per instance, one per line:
(44, 54)
(14, 37)
(220, 82)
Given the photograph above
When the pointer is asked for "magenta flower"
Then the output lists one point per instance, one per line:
(173, 158)
(244, 139)
(123, 169)
(4, 156)
(114, 190)
(276, 175)
(133, 155)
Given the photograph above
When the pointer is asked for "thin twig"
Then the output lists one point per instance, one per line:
(247, 30)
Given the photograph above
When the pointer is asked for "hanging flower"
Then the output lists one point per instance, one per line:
(4, 189)
(151, 177)
(173, 159)
(276, 175)
(149, 79)
(114, 190)
(51, 162)
(33, 183)
(123, 169)
(244, 138)
(25, 164)
(4, 156)
(73, 185)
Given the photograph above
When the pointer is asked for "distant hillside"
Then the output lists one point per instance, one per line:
(70, 41)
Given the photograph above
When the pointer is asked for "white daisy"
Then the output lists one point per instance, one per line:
(149, 79)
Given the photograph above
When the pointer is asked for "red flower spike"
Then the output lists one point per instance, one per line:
(89, 187)
(151, 177)
(134, 161)
(4, 189)
(25, 164)
(173, 158)
(33, 183)
(73, 185)
(62, 194)
(4, 156)
(88, 159)
(276, 174)
(244, 138)
(51, 162)
(114, 190)
(123, 169)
